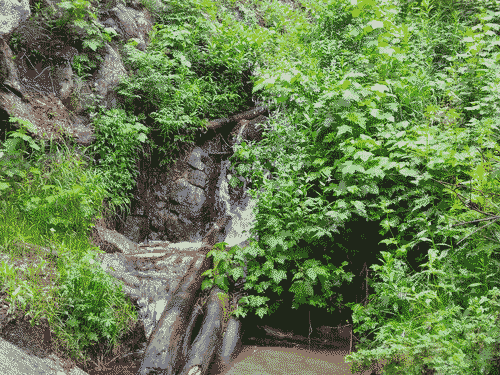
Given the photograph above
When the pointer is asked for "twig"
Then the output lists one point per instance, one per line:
(477, 230)
(52, 83)
(350, 346)
(491, 239)
(462, 199)
(27, 58)
(460, 196)
(476, 221)
(40, 72)
(20, 58)
(310, 329)
(366, 279)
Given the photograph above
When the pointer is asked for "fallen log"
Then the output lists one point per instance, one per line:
(208, 340)
(164, 350)
(247, 115)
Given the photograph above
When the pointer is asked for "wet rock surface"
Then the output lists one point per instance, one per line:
(179, 202)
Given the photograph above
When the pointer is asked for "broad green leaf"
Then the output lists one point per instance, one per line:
(236, 272)
(350, 168)
(359, 206)
(409, 172)
(376, 172)
(255, 301)
(278, 275)
(363, 155)
(379, 88)
(343, 129)
(298, 275)
(261, 311)
(207, 283)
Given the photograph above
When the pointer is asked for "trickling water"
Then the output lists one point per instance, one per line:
(240, 210)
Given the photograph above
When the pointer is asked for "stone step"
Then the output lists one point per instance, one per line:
(168, 247)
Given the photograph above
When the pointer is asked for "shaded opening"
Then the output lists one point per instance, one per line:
(196, 329)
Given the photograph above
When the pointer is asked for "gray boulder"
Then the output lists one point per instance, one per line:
(14, 360)
(12, 13)
(130, 24)
(110, 73)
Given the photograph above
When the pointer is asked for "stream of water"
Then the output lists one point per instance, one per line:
(240, 210)
(276, 360)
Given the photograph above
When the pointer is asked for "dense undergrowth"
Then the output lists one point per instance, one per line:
(387, 114)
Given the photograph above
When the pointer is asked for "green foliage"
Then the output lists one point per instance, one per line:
(53, 201)
(181, 82)
(423, 313)
(386, 111)
(75, 19)
(76, 10)
(376, 128)
(15, 42)
(89, 298)
(79, 14)
(224, 299)
(82, 65)
(118, 136)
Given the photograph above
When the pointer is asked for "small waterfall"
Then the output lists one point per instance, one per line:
(240, 210)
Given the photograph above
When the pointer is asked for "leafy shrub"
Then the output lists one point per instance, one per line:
(387, 133)
(82, 65)
(416, 315)
(47, 196)
(89, 298)
(390, 115)
(76, 14)
(118, 136)
(180, 84)
(55, 197)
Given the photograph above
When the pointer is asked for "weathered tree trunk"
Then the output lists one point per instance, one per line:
(208, 340)
(230, 343)
(197, 311)
(250, 114)
(164, 350)
(170, 349)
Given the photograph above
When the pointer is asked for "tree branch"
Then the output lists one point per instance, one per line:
(476, 221)
(477, 230)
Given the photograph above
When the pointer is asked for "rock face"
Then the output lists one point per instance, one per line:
(175, 204)
(35, 94)
(16, 361)
(14, 12)
(180, 203)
